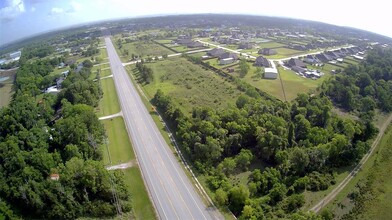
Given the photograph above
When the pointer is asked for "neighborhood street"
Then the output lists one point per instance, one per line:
(171, 191)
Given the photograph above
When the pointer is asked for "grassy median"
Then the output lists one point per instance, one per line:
(119, 150)
(109, 104)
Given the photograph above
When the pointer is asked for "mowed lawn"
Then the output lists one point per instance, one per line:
(271, 44)
(109, 104)
(294, 84)
(144, 49)
(189, 85)
(270, 86)
(120, 151)
(142, 205)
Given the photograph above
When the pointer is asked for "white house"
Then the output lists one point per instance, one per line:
(271, 72)
(226, 61)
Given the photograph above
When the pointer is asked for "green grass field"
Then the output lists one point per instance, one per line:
(189, 85)
(144, 49)
(294, 84)
(378, 167)
(165, 41)
(120, 150)
(105, 72)
(142, 206)
(108, 105)
(379, 207)
(215, 63)
(271, 86)
(103, 55)
(7, 78)
(271, 44)
(5, 94)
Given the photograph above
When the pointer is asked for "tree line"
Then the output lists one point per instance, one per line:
(298, 145)
(145, 72)
(364, 87)
(45, 135)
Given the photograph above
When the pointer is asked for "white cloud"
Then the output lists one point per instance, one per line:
(56, 11)
(33, 9)
(75, 7)
(12, 9)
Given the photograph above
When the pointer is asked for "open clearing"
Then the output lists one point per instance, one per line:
(270, 86)
(294, 84)
(189, 85)
(6, 83)
(378, 168)
(120, 150)
(119, 146)
(5, 94)
(142, 206)
(108, 105)
(379, 207)
(143, 49)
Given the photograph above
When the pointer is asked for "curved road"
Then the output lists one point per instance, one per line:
(172, 193)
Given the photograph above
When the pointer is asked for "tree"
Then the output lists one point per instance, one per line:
(299, 160)
(227, 166)
(237, 197)
(244, 68)
(277, 193)
(221, 197)
(243, 159)
(242, 101)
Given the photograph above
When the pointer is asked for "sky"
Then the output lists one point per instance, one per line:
(22, 18)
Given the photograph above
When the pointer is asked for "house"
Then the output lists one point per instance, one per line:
(15, 56)
(226, 61)
(271, 72)
(298, 69)
(182, 41)
(65, 73)
(295, 62)
(52, 89)
(54, 176)
(332, 54)
(323, 57)
(216, 52)
(194, 44)
(298, 47)
(267, 51)
(262, 61)
(61, 65)
(245, 46)
(311, 59)
(59, 81)
(358, 57)
(228, 55)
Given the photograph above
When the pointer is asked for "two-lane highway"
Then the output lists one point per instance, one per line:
(172, 192)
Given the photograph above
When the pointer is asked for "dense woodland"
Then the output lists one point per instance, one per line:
(364, 87)
(299, 144)
(43, 134)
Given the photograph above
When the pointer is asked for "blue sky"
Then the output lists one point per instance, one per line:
(21, 18)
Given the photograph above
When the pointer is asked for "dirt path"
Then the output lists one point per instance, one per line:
(111, 116)
(122, 166)
(356, 169)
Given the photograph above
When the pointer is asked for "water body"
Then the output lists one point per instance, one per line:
(2, 79)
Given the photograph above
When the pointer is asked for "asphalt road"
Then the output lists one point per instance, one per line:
(172, 192)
